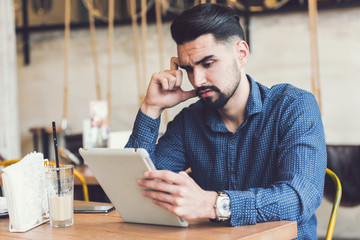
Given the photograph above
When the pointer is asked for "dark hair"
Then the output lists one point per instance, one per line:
(219, 20)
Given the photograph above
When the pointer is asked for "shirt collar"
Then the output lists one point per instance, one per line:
(253, 106)
(254, 103)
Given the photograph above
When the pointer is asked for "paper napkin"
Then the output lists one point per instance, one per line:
(25, 193)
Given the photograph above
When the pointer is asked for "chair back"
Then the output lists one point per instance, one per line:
(336, 203)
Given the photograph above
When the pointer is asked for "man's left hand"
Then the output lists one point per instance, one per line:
(179, 194)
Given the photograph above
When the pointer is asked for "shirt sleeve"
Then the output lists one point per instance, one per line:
(144, 133)
(167, 153)
(298, 188)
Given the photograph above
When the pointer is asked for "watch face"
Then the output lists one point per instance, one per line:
(224, 207)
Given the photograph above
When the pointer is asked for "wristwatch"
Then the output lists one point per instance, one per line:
(222, 207)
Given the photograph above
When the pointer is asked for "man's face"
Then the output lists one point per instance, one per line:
(212, 67)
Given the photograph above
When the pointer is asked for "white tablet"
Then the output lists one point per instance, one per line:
(117, 171)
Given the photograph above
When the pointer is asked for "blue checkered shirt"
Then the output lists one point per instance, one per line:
(273, 167)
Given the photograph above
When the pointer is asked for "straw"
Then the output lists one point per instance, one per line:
(56, 157)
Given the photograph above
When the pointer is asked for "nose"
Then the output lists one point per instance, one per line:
(199, 78)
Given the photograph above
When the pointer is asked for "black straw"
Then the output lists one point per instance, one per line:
(56, 157)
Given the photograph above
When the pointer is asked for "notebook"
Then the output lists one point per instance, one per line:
(117, 171)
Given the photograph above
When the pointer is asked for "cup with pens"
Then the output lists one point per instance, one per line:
(60, 190)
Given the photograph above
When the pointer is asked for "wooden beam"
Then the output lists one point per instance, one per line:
(315, 72)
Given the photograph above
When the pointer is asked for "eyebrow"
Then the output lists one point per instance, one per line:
(197, 62)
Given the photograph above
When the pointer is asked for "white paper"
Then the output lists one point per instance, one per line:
(25, 193)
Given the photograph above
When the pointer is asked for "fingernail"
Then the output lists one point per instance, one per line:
(146, 174)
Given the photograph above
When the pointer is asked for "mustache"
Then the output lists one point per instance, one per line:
(203, 88)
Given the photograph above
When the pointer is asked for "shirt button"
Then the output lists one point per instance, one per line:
(233, 142)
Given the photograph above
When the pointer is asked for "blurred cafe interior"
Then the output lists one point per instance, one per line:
(86, 65)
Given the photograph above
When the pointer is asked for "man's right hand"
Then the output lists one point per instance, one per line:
(164, 91)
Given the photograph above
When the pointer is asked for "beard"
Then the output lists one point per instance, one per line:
(218, 103)
(223, 97)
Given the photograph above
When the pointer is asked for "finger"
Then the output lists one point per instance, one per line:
(167, 79)
(174, 63)
(172, 82)
(171, 208)
(164, 82)
(188, 94)
(183, 173)
(179, 77)
(157, 185)
(160, 196)
(178, 74)
(165, 175)
(165, 205)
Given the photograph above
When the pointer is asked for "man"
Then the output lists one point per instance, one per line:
(256, 154)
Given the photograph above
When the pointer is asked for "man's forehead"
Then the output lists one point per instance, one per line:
(197, 49)
(185, 62)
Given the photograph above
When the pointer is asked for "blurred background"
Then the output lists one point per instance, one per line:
(45, 76)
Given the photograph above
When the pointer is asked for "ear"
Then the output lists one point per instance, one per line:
(242, 50)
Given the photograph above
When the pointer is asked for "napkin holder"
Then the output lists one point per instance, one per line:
(25, 192)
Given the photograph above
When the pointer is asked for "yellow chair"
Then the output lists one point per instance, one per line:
(336, 203)
(76, 173)
(6, 163)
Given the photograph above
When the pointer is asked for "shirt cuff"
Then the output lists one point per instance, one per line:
(146, 128)
(243, 210)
